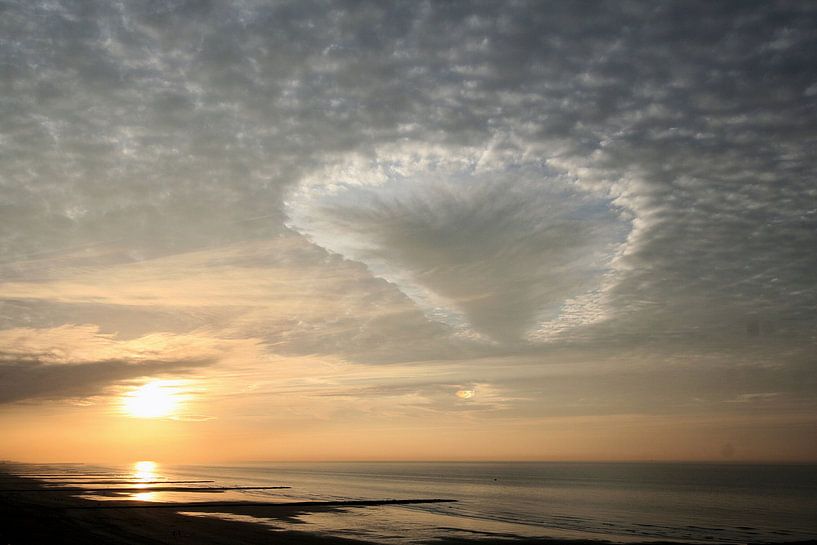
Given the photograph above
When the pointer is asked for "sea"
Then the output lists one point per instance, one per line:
(624, 502)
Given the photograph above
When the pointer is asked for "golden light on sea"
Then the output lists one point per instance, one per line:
(145, 471)
(156, 399)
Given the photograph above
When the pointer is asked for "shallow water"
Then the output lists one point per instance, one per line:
(726, 503)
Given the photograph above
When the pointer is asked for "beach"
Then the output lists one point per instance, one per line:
(32, 517)
(217, 505)
(28, 516)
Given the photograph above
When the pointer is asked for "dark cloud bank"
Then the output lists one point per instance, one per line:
(33, 377)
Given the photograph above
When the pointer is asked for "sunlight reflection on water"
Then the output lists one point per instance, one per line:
(146, 471)
(145, 496)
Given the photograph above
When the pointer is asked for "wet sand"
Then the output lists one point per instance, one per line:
(31, 517)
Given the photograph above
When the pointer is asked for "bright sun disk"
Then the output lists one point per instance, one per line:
(152, 400)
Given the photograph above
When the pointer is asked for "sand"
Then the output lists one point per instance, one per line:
(32, 517)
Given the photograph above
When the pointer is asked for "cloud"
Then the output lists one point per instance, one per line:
(504, 246)
(193, 418)
(31, 379)
(467, 181)
(78, 361)
(291, 295)
(153, 132)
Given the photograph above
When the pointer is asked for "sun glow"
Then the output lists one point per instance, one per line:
(155, 399)
(145, 471)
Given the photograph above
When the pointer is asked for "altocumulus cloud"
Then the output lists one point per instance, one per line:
(504, 244)
(499, 178)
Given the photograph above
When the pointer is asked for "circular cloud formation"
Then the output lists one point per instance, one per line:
(490, 245)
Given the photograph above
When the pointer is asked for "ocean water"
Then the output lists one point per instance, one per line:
(721, 503)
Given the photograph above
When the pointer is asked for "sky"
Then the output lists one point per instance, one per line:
(523, 230)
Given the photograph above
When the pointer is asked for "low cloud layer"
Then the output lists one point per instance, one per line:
(33, 379)
(67, 362)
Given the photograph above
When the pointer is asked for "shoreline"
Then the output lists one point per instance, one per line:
(27, 516)
(31, 517)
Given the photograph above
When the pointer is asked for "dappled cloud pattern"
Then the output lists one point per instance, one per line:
(571, 210)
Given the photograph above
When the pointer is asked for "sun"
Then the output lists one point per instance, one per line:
(155, 399)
